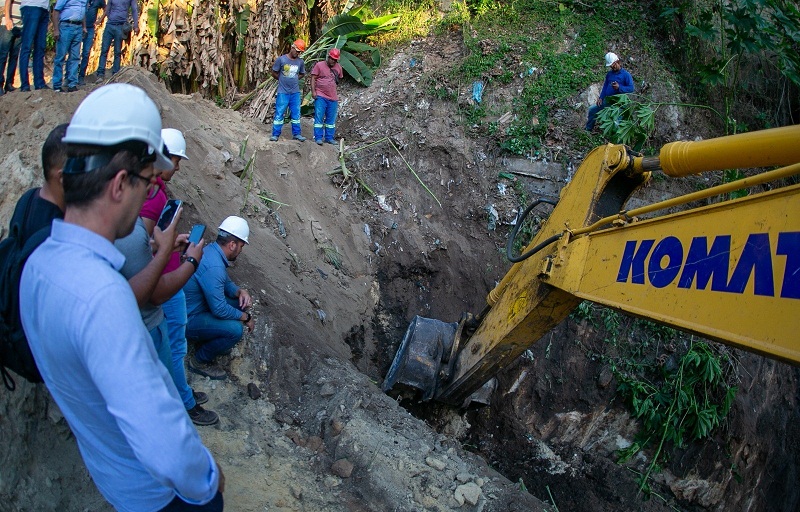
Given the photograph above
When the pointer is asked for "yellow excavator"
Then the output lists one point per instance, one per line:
(725, 268)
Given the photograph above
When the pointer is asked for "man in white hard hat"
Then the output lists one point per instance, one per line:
(83, 323)
(618, 81)
(216, 307)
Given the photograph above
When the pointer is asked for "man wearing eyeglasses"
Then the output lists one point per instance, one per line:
(84, 327)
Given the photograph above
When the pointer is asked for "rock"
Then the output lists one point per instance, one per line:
(314, 443)
(604, 379)
(435, 463)
(336, 427)
(342, 468)
(327, 390)
(331, 482)
(469, 493)
(296, 437)
(464, 477)
(253, 391)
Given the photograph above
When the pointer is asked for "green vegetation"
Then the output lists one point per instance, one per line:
(679, 387)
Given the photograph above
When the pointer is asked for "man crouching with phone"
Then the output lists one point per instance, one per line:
(159, 215)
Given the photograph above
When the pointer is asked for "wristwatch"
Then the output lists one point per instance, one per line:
(249, 316)
(192, 260)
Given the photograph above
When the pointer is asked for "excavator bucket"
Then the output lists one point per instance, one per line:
(418, 360)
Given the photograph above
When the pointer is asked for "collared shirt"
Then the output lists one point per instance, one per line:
(210, 284)
(623, 79)
(138, 254)
(98, 361)
(117, 11)
(71, 10)
(92, 6)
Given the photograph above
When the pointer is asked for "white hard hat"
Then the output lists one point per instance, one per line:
(237, 227)
(176, 144)
(118, 113)
(611, 58)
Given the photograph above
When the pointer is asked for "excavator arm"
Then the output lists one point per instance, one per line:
(728, 270)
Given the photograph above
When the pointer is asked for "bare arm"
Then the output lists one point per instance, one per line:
(170, 283)
(7, 14)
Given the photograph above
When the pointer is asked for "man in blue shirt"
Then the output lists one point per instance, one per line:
(618, 81)
(117, 13)
(288, 70)
(215, 306)
(92, 6)
(68, 30)
(84, 327)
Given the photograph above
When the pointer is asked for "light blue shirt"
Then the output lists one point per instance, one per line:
(98, 361)
(210, 284)
(71, 10)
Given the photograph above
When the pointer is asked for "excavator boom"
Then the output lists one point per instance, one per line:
(728, 270)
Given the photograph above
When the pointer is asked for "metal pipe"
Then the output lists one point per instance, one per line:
(778, 146)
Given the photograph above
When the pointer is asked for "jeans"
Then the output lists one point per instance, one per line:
(281, 102)
(161, 342)
(593, 111)
(111, 33)
(325, 111)
(88, 41)
(9, 53)
(217, 335)
(34, 36)
(175, 311)
(178, 505)
(69, 47)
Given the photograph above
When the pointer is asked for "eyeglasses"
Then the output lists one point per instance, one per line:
(152, 186)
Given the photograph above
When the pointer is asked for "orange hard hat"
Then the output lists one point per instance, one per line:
(300, 45)
(334, 53)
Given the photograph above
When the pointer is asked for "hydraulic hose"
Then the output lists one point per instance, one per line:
(513, 235)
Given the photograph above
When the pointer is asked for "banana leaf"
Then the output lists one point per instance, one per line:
(352, 46)
(356, 68)
(242, 22)
(341, 24)
(152, 19)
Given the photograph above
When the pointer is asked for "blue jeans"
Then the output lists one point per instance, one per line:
(9, 53)
(34, 37)
(88, 41)
(281, 102)
(217, 335)
(325, 111)
(593, 111)
(111, 33)
(161, 342)
(175, 311)
(178, 505)
(69, 47)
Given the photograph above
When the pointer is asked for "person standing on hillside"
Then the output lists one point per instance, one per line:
(288, 70)
(84, 327)
(169, 289)
(618, 81)
(215, 306)
(324, 78)
(117, 13)
(92, 6)
(68, 30)
(35, 17)
(10, 39)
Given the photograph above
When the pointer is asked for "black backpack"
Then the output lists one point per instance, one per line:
(15, 354)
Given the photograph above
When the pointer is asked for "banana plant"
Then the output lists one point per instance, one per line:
(345, 31)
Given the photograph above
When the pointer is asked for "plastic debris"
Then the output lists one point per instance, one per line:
(501, 188)
(281, 227)
(382, 203)
(366, 230)
(493, 217)
(477, 91)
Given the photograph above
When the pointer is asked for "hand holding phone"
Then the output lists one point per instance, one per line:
(198, 230)
(168, 213)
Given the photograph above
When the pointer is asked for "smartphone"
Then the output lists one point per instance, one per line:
(168, 213)
(197, 233)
